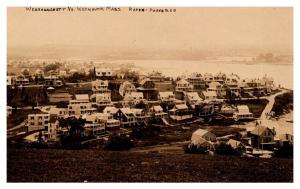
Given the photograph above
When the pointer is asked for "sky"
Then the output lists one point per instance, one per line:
(187, 28)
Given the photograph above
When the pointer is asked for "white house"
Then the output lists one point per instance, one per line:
(100, 72)
(110, 110)
(126, 117)
(81, 108)
(62, 73)
(140, 115)
(208, 78)
(38, 122)
(79, 99)
(166, 96)
(11, 80)
(59, 112)
(209, 95)
(232, 78)
(21, 80)
(193, 98)
(217, 87)
(106, 118)
(102, 99)
(197, 81)
(100, 86)
(157, 111)
(180, 112)
(242, 113)
(134, 97)
(126, 87)
(52, 132)
(94, 129)
(183, 85)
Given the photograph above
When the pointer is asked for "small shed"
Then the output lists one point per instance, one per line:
(202, 133)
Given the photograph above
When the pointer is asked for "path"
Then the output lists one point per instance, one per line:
(270, 104)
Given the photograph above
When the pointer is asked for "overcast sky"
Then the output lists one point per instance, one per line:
(187, 28)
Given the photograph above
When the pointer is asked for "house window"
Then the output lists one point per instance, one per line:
(40, 123)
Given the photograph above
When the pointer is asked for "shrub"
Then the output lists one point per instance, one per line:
(145, 131)
(224, 149)
(285, 151)
(118, 143)
(194, 149)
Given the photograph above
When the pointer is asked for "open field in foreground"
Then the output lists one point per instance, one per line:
(50, 165)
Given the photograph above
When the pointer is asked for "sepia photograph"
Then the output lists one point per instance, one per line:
(149, 94)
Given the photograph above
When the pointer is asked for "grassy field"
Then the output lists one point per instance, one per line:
(283, 103)
(172, 134)
(50, 165)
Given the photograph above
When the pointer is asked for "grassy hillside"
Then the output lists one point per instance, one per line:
(49, 165)
(283, 103)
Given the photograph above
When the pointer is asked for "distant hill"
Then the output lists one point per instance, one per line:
(93, 52)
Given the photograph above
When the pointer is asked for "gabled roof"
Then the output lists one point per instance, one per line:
(157, 108)
(209, 93)
(55, 111)
(144, 81)
(166, 94)
(99, 82)
(243, 109)
(82, 97)
(100, 95)
(214, 84)
(137, 110)
(234, 143)
(90, 117)
(126, 111)
(200, 141)
(193, 95)
(259, 130)
(181, 106)
(110, 109)
(199, 132)
(182, 81)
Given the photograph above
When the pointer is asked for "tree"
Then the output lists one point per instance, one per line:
(75, 129)
(25, 72)
(224, 149)
(141, 105)
(51, 67)
(285, 151)
(118, 143)
(73, 125)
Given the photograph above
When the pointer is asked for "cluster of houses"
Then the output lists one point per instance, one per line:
(109, 103)
(256, 141)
